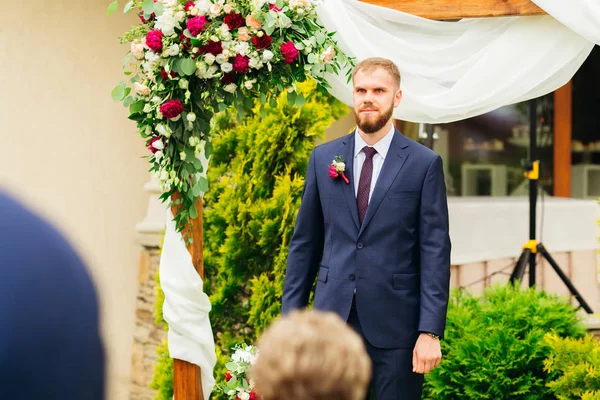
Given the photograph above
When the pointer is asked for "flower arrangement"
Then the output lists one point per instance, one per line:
(192, 59)
(337, 168)
(237, 385)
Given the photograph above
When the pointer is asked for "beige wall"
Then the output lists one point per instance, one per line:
(69, 151)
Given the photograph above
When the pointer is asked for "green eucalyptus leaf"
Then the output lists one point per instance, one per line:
(112, 7)
(118, 93)
(128, 7)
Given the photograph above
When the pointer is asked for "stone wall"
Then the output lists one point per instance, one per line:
(148, 335)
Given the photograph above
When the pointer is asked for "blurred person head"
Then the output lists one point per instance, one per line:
(50, 344)
(311, 355)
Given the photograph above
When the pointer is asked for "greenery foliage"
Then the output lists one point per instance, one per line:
(494, 346)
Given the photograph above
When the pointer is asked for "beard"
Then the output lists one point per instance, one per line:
(372, 123)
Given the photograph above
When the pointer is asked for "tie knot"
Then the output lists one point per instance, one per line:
(369, 151)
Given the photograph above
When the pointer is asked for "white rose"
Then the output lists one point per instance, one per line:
(180, 15)
(300, 11)
(191, 117)
(244, 396)
(267, 55)
(255, 63)
(203, 6)
(158, 155)
(166, 22)
(220, 59)
(226, 67)
(230, 88)
(184, 84)
(172, 50)
(147, 108)
(227, 8)
(341, 166)
(249, 84)
(294, 3)
(242, 48)
(226, 54)
(137, 49)
(194, 11)
(209, 59)
(212, 70)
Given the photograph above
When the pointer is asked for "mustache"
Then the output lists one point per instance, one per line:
(368, 106)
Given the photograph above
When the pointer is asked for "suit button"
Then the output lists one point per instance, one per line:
(352, 277)
(360, 245)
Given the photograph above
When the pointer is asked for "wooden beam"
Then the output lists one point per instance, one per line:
(563, 123)
(187, 383)
(457, 9)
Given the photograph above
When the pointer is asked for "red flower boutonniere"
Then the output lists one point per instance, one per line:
(337, 168)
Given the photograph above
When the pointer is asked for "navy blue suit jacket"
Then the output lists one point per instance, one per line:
(50, 346)
(398, 260)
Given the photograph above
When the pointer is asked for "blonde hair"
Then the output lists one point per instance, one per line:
(373, 63)
(311, 355)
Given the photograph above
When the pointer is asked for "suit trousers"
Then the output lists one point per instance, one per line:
(392, 376)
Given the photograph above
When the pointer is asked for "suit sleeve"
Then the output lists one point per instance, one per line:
(306, 246)
(434, 242)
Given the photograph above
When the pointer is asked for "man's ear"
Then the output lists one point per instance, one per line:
(397, 97)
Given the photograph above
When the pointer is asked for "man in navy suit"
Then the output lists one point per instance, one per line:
(374, 229)
(50, 345)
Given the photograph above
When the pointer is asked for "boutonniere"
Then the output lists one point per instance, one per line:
(337, 168)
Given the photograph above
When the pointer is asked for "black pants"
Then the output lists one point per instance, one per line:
(392, 376)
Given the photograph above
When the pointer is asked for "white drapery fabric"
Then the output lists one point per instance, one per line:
(450, 71)
(186, 306)
(456, 70)
(581, 16)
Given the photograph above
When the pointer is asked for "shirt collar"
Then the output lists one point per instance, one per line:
(382, 146)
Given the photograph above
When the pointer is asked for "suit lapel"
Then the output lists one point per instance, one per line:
(348, 189)
(395, 159)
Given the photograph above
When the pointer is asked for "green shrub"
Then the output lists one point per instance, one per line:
(494, 346)
(576, 365)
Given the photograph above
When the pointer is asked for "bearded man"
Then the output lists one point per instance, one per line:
(373, 228)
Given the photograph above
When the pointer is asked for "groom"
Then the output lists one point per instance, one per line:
(374, 230)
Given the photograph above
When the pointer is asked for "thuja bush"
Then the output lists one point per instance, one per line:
(494, 346)
(575, 363)
(256, 177)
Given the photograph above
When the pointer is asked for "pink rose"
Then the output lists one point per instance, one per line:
(289, 51)
(332, 171)
(188, 5)
(243, 34)
(154, 40)
(197, 24)
(241, 64)
(171, 109)
(253, 22)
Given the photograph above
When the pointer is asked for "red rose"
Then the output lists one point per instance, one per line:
(189, 5)
(227, 376)
(154, 40)
(234, 20)
(241, 64)
(273, 7)
(197, 24)
(165, 76)
(333, 172)
(263, 42)
(152, 148)
(253, 395)
(289, 51)
(171, 109)
(214, 48)
(228, 78)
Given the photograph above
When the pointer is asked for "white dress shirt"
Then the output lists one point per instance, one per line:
(382, 147)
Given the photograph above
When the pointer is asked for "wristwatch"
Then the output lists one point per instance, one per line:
(433, 335)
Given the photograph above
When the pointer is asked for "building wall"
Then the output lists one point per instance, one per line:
(69, 151)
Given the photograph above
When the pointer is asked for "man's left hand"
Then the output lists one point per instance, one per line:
(427, 354)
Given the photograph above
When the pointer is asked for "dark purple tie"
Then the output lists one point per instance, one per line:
(364, 184)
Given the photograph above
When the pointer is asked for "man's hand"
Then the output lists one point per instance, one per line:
(427, 354)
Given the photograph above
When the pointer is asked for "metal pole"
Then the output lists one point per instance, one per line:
(533, 185)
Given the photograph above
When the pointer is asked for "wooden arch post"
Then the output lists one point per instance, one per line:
(187, 382)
